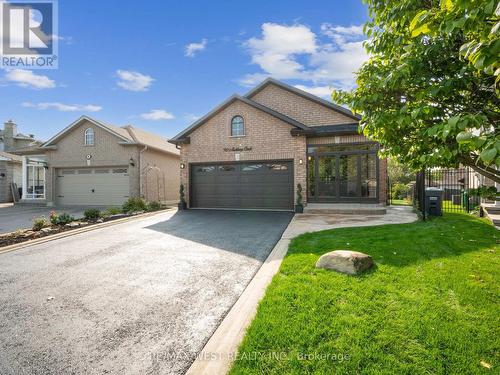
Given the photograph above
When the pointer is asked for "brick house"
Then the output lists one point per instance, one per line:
(97, 164)
(252, 151)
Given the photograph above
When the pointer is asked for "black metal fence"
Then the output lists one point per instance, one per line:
(459, 186)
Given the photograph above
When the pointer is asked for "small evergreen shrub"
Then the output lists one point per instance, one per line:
(92, 214)
(154, 206)
(112, 211)
(65, 218)
(134, 205)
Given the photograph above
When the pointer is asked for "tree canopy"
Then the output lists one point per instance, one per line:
(430, 91)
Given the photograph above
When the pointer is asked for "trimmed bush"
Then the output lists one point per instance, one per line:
(40, 222)
(112, 211)
(65, 218)
(154, 206)
(134, 205)
(92, 214)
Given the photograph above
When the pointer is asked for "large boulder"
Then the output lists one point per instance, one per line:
(345, 261)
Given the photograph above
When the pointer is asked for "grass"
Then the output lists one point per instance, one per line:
(431, 305)
(400, 202)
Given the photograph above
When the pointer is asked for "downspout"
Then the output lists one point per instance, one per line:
(141, 188)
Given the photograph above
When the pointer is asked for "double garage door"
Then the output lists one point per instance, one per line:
(92, 186)
(249, 185)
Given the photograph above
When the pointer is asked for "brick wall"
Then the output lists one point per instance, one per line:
(161, 182)
(268, 136)
(299, 108)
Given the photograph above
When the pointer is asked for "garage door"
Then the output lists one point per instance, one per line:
(262, 185)
(92, 186)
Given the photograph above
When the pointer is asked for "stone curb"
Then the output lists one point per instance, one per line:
(89, 228)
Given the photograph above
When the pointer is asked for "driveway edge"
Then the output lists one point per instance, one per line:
(220, 350)
(22, 245)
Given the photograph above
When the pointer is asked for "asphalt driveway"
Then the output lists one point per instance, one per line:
(140, 297)
(19, 216)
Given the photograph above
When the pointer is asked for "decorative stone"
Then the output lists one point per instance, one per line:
(345, 261)
(46, 230)
(73, 225)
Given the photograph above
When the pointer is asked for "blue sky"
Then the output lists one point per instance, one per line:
(161, 64)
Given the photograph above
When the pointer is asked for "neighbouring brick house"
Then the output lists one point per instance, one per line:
(252, 151)
(10, 165)
(97, 164)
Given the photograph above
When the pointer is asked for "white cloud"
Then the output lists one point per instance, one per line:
(321, 91)
(26, 78)
(191, 117)
(329, 58)
(63, 107)
(193, 48)
(157, 114)
(278, 48)
(133, 81)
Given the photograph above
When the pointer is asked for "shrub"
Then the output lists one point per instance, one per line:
(135, 204)
(54, 217)
(154, 206)
(65, 218)
(92, 214)
(40, 222)
(111, 211)
(399, 191)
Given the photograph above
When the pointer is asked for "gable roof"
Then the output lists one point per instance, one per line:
(303, 94)
(129, 135)
(225, 104)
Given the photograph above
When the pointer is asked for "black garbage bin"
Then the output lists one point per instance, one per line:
(434, 201)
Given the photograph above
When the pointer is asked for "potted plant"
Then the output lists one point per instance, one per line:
(299, 207)
(182, 201)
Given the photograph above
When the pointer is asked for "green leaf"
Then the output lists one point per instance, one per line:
(479, 141)
(464, 137)
(488, 155)
(424, 29)
(419, 17)
(446, 4)
(453, 121)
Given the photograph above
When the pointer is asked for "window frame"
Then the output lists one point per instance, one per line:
(242, 125)
(89, 132)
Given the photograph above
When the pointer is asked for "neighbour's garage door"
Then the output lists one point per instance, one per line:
(92, 186)
(258, 185)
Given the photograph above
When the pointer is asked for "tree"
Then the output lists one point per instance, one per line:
(399, 173)
(430, 91)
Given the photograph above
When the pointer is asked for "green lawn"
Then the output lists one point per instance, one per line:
(431, 306)
(400, 202)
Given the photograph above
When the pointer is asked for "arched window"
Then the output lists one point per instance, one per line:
(237, 127)
(89, 137)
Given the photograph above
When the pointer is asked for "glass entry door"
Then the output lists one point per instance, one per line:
(350, 177)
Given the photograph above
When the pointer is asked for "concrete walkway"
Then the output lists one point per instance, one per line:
(219, 352)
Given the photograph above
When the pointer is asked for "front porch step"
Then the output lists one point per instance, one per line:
(493, 213)
(491, 209)
(29, 202)
(345, 209)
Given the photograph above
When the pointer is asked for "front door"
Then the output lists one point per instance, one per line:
(343, 176)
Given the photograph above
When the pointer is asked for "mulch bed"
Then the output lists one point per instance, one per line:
(29, 234)
(24, 235)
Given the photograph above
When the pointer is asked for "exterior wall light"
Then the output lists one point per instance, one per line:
(301, 161)
(131, 162)
(183, 166)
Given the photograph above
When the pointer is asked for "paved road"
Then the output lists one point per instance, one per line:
(140, 297)
(21, 216)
